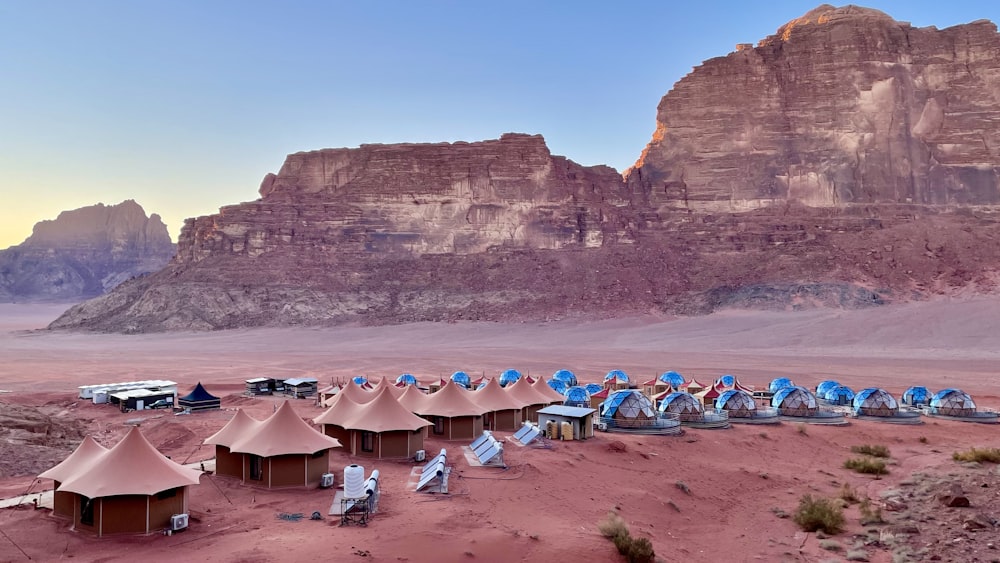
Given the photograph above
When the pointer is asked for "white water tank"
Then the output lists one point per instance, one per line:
(354, 481)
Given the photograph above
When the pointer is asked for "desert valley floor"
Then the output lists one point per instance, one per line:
(546, 505)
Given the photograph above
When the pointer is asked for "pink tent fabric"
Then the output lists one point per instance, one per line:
(240, 425)
(545, 391)
(384, 383)
(383, 414)
(524, 392)
(354, 392)
(340, 412)
(451, 400)
(283, 433)
(84, 454)
(132, 467)
(495, 398)
(413, 399)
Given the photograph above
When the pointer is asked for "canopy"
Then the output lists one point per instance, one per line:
(527, 394)
(494, 398)
(82, 456)
(545, 389)
(384, 414)
(284, 433)
(451, 400)
(200, 399)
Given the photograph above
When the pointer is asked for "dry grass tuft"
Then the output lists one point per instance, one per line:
(867, 465)
(822, 514)
(874, 450)
(991, 455)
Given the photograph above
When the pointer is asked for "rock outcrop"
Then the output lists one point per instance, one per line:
(846, 161)
(84, 253)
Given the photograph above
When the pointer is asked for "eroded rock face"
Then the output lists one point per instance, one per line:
(83, 253)
(841, 106)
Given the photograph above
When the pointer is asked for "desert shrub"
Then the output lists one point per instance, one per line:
(870, 514)
(847, 493)
(635, 550)
(874, 450)
(612, 525)
(991, 455)
(815, 514)
(866, 465)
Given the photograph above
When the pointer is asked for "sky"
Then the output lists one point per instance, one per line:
(185, 105)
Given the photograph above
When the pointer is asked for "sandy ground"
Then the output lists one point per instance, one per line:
(546, 505)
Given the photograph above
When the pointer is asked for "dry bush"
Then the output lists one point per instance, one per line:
(867, 465)
(635, 550)
(991, 455)
(874, 450)
(612, 525)
(870, 514)
(815, 514)
(848, 494)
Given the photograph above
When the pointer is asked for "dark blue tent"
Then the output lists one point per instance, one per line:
(199, 400)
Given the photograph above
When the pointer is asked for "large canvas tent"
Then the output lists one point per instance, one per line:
(503, 410)
(380, 428)
(227, 462)
(199, 400)
(83, 455)
(531, 399)
(129, 489)
(452, 412)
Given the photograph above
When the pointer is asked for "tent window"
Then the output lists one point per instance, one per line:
(86, 511)
(367, 441)
(256, 467)
(439, 425)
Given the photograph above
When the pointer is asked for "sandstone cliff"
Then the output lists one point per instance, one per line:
(84, 253)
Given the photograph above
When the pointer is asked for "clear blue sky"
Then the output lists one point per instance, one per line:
(184, 105)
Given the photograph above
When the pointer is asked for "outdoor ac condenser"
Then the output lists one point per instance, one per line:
(326, 481)
(421, 455)
(178, 522)
(602, 426)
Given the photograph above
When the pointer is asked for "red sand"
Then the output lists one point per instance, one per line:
(546, 506)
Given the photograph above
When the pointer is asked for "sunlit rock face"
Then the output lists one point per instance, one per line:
(841, 106)
(84, 253)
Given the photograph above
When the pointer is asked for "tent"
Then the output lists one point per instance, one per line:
(684, 405)
(532, 400)
(544, 389)
(673, 379)
(795, 401)
(503, 409)
(737, 403)
(199, 400)
(839, 395)
(452, 412)
(914, 396)
(628, 407)
(566, 376)
(83, 455)
(227, 462)
(875, 402)
(780, 383)
(381, 428)
(825, 386)
(952, 402)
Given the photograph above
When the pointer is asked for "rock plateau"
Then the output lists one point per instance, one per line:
(847, 160)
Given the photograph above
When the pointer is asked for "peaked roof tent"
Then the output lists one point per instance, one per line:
(283, 433)
(132, 467)
(199, 394)
(339, 412)
(546, 390)
(84, 454)
(412, 398)
(383, 414)
(384, 383)
(451, 400)
(240, 425)
(352, 391)
(527, 394)
(493, 398)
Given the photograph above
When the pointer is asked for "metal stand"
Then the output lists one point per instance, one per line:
(354, 511)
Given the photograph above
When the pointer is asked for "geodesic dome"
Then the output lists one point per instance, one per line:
(795, 401)
(737, 402)
(461, 378)
(616, 375)
(839, 395)
(407, 379)
(566, 376)
(685, 405)
(558, 385)
(780, 383)
(593, 388)
(360, 379)
(875, 402)
(673, 379)
(916, 396)
(727, 381)
(952, 402)
(825, 386)
(509, 376)
(628, 404)
(577, 396)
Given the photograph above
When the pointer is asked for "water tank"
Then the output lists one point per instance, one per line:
(550, 429)
(567, 431)
(354, 481)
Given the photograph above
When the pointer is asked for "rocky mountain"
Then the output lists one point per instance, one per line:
(84, 253)
(856, 163)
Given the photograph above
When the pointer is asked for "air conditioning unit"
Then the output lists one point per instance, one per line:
(178, 522)
(421, 455)
(602, 426)
(326, 480)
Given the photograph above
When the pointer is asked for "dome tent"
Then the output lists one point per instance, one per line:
(685, 405)
(509, 376)
(875, 402)
(461, 378)
(593, 388)
(737, 403)
(795, 401)
(839, 395)
(778, 384)
(616, 376)
(627, 405)
(825, 386)
(916, 395)
(566, 376)
(726, 381)
(672, 378)
(952, 402)
(406, 379)
(360, 380)
(577, 396)
(557, 385)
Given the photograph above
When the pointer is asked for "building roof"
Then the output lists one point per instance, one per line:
(199, 394)
(84, 454)
(546, 390)
(132, 467)
(494, 398)
(694, 383)
(384, 414)
(563, 410)
(283, 433)
(259, 380)
(602, 394)
(296, 381)
(451, 400)
(240, 424)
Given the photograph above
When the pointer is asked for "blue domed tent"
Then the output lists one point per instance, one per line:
(916, 395)
(593, 388)
(952, 402)
(726, 381)
(616, 376)
(199, 400)
(566, 376)
(577, 396)
(825, 386)
(406, 379)
(795, 401)
(875, 402)
(360, 380)
(673, 379)
(780, 383)
(626, 405)
(509, 377)
(839, 395)
(737, 402)
(557, 385)
(461, 378)
(685, 405)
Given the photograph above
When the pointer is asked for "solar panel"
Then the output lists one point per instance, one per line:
(531, 432)
(525, 429)
(432, 474)
(481, 440)
(433, 461)
(491, 453)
